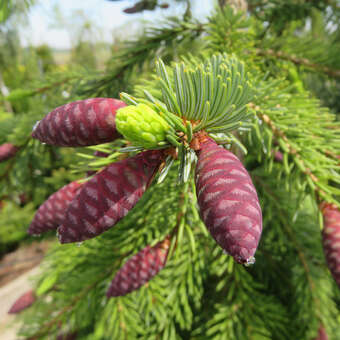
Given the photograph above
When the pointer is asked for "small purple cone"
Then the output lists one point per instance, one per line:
(23, 302)
(139, 269)
(322, 334)
(331, 238)
(7, 151)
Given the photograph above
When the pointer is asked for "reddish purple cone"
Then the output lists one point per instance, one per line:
(139, 269)
(108, 196)
(322, 335)
(278, 156)
(228, 202)
(51, 213)
(23, 302)
(80, 123)
(331, 238)
(7, 151)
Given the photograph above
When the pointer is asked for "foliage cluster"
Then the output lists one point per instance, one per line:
(201, 293)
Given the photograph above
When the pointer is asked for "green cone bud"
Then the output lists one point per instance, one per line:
(141, 125)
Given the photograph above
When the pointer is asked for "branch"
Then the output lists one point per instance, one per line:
(299, 61)
(47, 326)
(292, 151)
(290, 233)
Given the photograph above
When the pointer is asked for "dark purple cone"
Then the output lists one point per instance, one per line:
(108, 196)
(228, 202)
(80, 123)
(23, 302)
(139, 269)
(7, 151)
(51, 213)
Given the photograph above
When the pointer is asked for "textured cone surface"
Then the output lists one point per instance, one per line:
(139, 269)
(51, 213)
(7, 151)
(141, 125)
(80, 123)
(331, 239)
(22, 302)
(228, 202)
(108, 196)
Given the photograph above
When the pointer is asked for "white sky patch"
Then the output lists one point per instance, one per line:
(107, 16)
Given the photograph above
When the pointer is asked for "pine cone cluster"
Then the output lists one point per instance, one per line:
(226, 196)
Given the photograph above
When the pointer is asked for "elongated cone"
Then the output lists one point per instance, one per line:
(108, 196)
(23, 302)
(322, 335)
(51, 213)
(228, 202)
(331, 238)
(7, 151)
(80, 123)
(139, 269)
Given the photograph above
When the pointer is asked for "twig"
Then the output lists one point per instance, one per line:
(295, 154)
(47, 326)
(299, 61)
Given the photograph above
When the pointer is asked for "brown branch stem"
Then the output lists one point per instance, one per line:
(295, 154)
(299, 61)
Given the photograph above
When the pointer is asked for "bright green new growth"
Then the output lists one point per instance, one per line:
(213, 93)
(141, 125)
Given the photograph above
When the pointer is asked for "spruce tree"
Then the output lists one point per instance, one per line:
(222, 138)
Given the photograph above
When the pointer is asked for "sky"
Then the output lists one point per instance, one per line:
(105, 16)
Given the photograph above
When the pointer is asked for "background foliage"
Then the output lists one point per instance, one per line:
(291, 50)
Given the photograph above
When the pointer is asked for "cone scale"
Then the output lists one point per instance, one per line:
(228, 202)
(80, 123)
(331, 239)
(139, 269)
(51, 213)
(108, 196)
